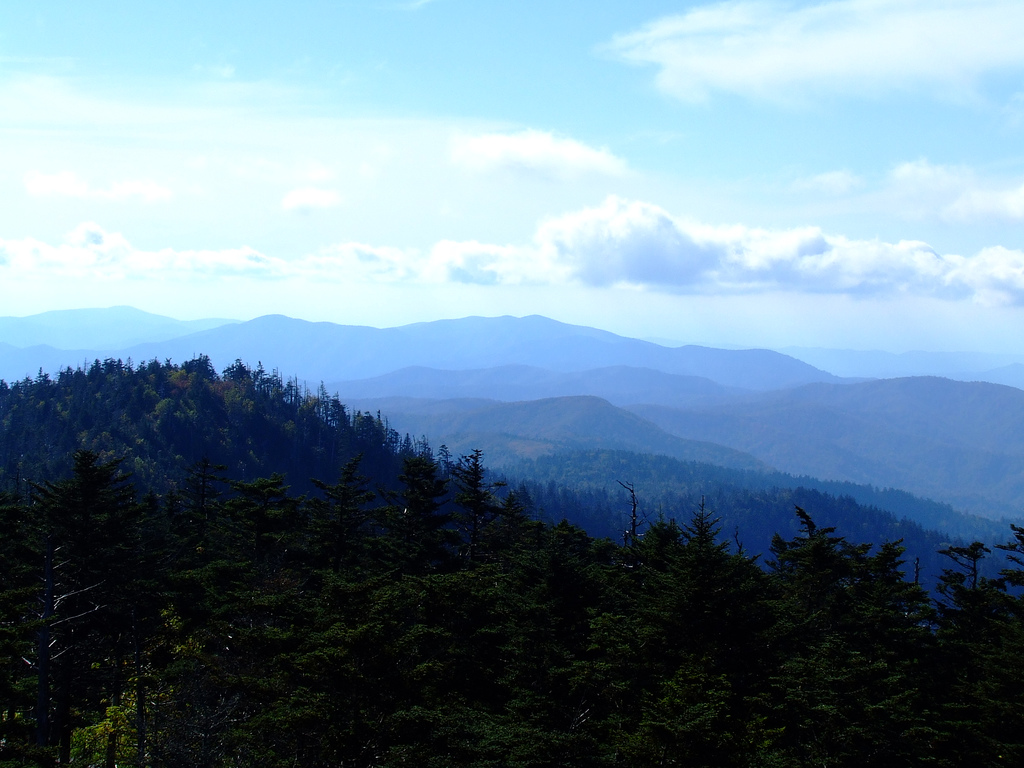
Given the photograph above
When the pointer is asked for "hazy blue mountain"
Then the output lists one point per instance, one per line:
(97, 329)
(957, 442)
(620, 385)
(1011, 375)
(964, 366)
(510, 431)
(16, 363)
(329, 352)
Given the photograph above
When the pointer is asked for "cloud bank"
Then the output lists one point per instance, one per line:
(90, 253)
(622, 244)
(775, 50)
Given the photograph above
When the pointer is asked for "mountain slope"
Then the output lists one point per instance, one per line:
(964, 366)
(755, 505)
(1011, 375)
(510, 431)
(620, 385)
(162, 418)
(112, 328)
(958, 442)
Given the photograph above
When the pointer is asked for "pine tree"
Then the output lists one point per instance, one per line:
(89, 531)
(848, 690)
(18, 625)
(979, 640)
(476, 503)
(419, 527)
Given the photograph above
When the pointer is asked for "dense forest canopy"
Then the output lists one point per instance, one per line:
(170, 597)
(162, 418)
(753, 506)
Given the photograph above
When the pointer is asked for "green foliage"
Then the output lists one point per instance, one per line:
(166, 418)
(753, 506)
(409, 612)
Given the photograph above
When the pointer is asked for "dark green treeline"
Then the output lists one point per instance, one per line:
(236, 624)
(162, 418)
(405, 610)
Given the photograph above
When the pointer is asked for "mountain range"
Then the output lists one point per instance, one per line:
(330, 352)
(995, 368)
(520, 388)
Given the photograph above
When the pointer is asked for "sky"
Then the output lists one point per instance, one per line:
(844, 174)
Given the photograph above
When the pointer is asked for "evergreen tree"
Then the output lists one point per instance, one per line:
(978, 645)
(419, 527)
(92, 569)
(18, 625)
(848, 689)
(341, 521)
(703, 620)
(476, 504)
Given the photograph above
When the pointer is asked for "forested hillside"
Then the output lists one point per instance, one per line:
(958, 442)
(510, 431)
(241, 625)
(162, 418)
(587, 487)
(408, 610)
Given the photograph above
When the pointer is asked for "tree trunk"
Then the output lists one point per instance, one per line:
(140, 698)
(43, 651)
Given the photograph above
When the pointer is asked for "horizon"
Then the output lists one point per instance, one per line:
(665, 342)
(835, 175)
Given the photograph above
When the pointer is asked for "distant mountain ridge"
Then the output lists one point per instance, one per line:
(55, 339)
(994, 368)
(329, 352)
(619, 385)
(957, 442)
(508, 432)
(563, 387)
(111, 328)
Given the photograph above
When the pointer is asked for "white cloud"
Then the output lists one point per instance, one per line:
(486, 264)
(69, 184)
(923, 190)
(921, 174)
(91, 253)
(779, 51)
(534, 151)
(309, 198)
(361, 262)
(995, 275)
(642, 245)
(988, 203)
(954, 193)
(831, 183)
(619, 244)
(628, 242)
(639, 245)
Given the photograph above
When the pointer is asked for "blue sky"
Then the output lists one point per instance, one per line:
(841, 174)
